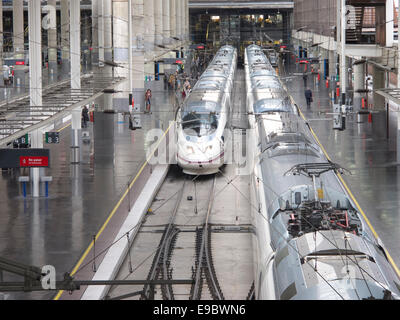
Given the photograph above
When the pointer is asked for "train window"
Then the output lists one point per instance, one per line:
(281, 149)
(273, 105)
(287, 137)
(199, 124)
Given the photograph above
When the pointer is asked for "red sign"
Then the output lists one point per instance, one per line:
(304, 61)
(34, 161)
(19, 63)
(283, 47)
(178, 61)
(200, 47)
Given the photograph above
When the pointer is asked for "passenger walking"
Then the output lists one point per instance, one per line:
(147, 98)
(85, 117)
(186, 89)
(309, 99)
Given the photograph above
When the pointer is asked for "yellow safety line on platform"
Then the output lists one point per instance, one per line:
(351, 194)
(59, 130)
(60, 292)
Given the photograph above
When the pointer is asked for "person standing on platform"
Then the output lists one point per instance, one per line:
(147, 98)
(85, 116)
(165, 81)
(309, 99)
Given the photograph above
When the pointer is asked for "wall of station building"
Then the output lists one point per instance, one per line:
(240, 27)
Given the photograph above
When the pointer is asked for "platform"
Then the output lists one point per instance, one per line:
(58, 230)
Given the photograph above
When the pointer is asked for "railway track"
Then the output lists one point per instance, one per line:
(204, 264)
(197, 229)
(189, 227)
(161, 264)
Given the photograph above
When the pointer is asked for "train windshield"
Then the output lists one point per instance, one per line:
(273, 105)
(199, 124)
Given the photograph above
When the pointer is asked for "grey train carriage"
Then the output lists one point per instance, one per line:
(310, 242)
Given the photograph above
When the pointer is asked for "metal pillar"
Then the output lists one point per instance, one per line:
(65, 58)
(18, 40)
(166, 22)
(75, 40)
(35, 80)
(52, 39)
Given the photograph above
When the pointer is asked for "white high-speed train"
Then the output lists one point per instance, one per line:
(309, 242)
(202, 119)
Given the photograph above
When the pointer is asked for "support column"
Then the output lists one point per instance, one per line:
(108, 50)
(86, 36)
(65, 58)
(121, 53)
(389, 22)
(95, 32)
(100, 31)
(35, 80)
(187, 20)
(108, 47)
(359, 84)
(18, 40)
(166, 22)
(398, 86)
(343, 65)
(1, 44)
(173, 18)
(138, 55)
(75, 39)
(149, 37)
(158, 20)
(52, 40)
(178, 19)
